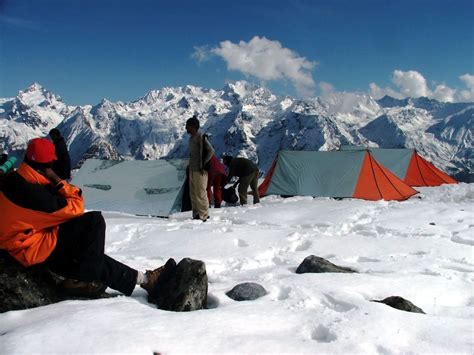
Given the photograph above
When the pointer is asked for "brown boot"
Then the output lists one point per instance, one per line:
(78, 288)
(154, 275)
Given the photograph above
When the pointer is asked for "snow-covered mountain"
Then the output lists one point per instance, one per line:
(32, 113)
(242, 119)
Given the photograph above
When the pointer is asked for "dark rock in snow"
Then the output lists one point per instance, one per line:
(401, 304)
(316, 264)
(183, 288)
(247, 291)
(22, 288)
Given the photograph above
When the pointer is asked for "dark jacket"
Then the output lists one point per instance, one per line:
(241, 167)
(32, 211)
(62, 166)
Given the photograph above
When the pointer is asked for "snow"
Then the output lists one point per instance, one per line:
(420, 249)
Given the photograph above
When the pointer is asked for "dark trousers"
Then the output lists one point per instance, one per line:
(79, 254)
(244, 183)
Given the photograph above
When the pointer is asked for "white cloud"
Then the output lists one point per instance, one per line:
(413, 84)
(267, 60)
(468, 80)
(201, 53)
(379, 92)
(444, 93)
(467, 95)
(326, 88)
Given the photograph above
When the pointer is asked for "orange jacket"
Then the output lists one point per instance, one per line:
(31, 210)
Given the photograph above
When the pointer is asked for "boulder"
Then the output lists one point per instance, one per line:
(247, 291)
(22, 288)
(400, 303)
(316, 264)
(183, 288)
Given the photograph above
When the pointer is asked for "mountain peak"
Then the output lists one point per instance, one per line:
(241, 87)
(35, 95)
(388, 101)
(34, 87)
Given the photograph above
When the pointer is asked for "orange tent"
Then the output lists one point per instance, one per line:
(352, 174)
(408, 165)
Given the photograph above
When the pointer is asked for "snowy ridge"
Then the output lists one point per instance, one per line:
(243, 119)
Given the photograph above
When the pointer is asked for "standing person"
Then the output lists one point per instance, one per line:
(43, 222)
(62, 165)
(247, 172)
(200, 152)
(217, 176)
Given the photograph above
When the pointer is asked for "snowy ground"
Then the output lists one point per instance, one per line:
(420, 249)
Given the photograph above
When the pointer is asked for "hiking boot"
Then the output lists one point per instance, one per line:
(154, 275)
(91, 289)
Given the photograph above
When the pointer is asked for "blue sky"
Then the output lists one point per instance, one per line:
(85, 50)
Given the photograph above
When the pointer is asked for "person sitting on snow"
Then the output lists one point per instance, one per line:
(43, 222)
(247, 172)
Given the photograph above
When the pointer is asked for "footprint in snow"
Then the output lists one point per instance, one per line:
(337, 305)
(462, 240)
(301, 245)
(364, 259)
(323, 334)
(241, 243)
(284, 293)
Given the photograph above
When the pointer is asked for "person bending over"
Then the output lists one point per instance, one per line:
(247, 172)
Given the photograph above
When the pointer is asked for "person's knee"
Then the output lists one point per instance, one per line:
(95, 218)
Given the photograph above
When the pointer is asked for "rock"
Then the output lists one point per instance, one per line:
(247, 291)
(183, 289)
(22, 288)
(401, 304)
(316, 264)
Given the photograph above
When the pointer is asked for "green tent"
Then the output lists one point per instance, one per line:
(354, 174)
(141, 187)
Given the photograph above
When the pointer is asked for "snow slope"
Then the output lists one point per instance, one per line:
(420, 249)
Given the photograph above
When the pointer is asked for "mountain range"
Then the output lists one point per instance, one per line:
(241, 119)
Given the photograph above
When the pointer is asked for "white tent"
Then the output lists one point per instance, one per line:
(141, 187)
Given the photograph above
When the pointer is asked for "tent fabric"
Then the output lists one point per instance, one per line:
(378, 183)
(353, 174)
(141, 187)
(421, 172)
(408, 165)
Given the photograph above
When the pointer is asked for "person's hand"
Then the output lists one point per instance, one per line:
(51, 175)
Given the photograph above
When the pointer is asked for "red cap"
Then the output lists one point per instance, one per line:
(41, 150)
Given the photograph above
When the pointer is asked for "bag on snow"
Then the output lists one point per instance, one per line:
(229, 195)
